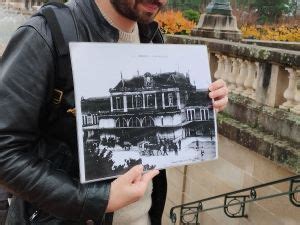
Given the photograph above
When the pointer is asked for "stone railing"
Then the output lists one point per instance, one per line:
(267, 75)
(263, 82)
(264, 109)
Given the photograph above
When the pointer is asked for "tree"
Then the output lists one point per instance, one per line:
(272, 10)
(184, 4)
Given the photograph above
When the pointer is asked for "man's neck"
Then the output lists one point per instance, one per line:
(118, 20)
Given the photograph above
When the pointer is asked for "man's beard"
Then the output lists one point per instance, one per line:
(128, 9)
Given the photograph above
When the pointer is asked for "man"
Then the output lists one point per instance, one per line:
(38, 158)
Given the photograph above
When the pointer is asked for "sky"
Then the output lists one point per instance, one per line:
(98, 66)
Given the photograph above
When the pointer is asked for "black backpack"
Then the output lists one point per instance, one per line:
(63, 29)
(60, 106)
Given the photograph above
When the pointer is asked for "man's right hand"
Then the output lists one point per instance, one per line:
(129, 188)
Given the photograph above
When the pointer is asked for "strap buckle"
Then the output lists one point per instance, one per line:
(57, 96)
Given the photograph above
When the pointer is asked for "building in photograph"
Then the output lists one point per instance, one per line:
(162, 105)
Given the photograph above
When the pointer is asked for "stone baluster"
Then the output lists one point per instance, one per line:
(255, 82)
(228, 69)
(251, 71)
(241, 77)
(220, 68)
(234, 74)
(296, 109)
(290, 92)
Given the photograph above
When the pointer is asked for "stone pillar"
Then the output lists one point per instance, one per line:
(241, 77)
(163, 100)
(155, 101)
(111, 104)
(125, 103)
(144, 106)
(218, 22)
(220, 68)
(250, 79)
(84, 120)
(296, 109)
(178, 100)
(255, 82)
(290, 92)
(228, 69)
(234, 74)
(201, 115)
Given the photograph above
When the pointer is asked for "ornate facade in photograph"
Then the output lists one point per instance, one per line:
(167, 101)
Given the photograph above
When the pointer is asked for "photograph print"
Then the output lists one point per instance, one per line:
(141, 104)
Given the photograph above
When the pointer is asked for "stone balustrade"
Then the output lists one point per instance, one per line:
(242, 77)
(267, 75)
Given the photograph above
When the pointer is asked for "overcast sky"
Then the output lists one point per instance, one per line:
(98, 66)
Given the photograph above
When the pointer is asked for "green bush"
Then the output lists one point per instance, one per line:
(191, 15)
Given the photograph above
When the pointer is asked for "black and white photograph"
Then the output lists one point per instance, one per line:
(141, 104)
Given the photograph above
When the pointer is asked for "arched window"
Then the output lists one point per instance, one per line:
(148, 121)
(134, 122)
(121, 122)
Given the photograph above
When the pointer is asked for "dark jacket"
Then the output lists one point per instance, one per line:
(39, 159)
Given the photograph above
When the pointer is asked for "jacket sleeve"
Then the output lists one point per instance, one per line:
(26, 66)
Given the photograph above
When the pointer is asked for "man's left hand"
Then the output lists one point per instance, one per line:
(219, 93)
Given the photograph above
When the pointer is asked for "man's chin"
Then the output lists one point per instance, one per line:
(146, 18)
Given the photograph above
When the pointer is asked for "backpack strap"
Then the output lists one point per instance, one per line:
(63, 30)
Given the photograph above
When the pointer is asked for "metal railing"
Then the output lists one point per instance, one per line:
(190, 212)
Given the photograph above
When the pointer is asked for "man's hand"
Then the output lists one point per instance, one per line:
(129, 188)
(219, 93)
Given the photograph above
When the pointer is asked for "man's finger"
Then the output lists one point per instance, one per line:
(217, 84)
(219, 93)
(149, 176)
(140, 187)
(220, 109)
(134, 173)
(220, 103)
